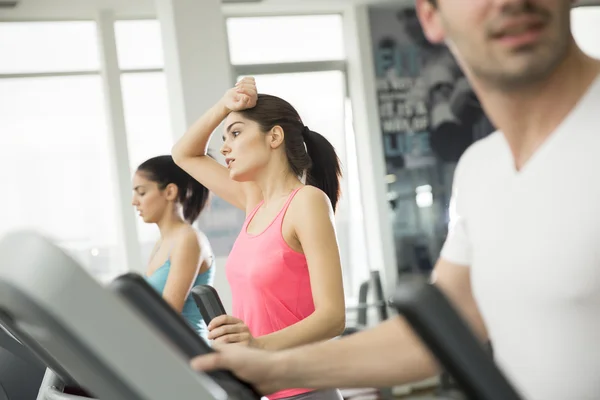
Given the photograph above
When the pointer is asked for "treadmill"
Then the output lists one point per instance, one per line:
(20, 371)
(147, 302)
(56, 381)
(455, 346)
(87, 333)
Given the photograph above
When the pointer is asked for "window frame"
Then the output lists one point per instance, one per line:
(111, 74)
(290, 63)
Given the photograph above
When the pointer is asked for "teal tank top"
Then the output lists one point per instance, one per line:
(190, 312)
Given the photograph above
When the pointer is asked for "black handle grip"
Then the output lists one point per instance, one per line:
(456, 347)
(208, 302)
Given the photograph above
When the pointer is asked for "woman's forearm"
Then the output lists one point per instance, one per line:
(317, 327)
(194, 143)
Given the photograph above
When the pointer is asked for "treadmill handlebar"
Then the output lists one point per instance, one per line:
(208, 302)
(456, 347)
(145, 300)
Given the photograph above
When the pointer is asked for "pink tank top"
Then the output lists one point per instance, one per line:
(270, 284)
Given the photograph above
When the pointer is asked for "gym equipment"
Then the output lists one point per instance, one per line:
(62, 382)
(440, 327)
(20, 371)
(91, 333)
(208, 302)
(146, 301)
(374, 283)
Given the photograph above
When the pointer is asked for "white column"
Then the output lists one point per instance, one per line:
(196, 53)
(198, 72)
(111, 80)
(371, 165)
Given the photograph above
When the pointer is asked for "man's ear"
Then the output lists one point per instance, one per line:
(276, 137)
(429, 17)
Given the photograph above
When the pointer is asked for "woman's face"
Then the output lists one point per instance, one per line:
(245, 147)
(150, 202)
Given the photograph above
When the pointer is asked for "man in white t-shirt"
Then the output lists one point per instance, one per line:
(522, 258)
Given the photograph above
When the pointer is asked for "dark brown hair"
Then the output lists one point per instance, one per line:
(318, 158)
(191, 194)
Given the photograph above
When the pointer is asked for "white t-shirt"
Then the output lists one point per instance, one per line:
(532, 240)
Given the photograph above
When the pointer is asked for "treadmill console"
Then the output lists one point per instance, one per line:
(141, 296)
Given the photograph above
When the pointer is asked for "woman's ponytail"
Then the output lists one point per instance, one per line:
(325, 170)
(193, 199)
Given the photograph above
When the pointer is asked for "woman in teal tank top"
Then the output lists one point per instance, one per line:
(182, 258)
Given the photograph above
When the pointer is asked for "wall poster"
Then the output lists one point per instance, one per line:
(428, 116)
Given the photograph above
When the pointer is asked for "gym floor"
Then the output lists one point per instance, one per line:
(418, 395)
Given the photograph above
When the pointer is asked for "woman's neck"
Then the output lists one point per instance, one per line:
(169, 224)
(274, 188)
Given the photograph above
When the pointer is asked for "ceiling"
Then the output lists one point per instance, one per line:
(86, 9)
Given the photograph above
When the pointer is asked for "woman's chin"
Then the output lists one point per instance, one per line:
(239, 176)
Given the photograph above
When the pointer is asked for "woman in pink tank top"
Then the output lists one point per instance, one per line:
(284, 268)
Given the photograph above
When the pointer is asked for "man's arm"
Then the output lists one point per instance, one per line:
(386, 355)
(389, 354)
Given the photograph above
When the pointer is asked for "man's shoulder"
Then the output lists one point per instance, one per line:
(483, 150)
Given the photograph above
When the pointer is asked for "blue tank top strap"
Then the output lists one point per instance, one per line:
(169, 252)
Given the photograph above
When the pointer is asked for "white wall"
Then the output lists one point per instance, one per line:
(221, 283)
